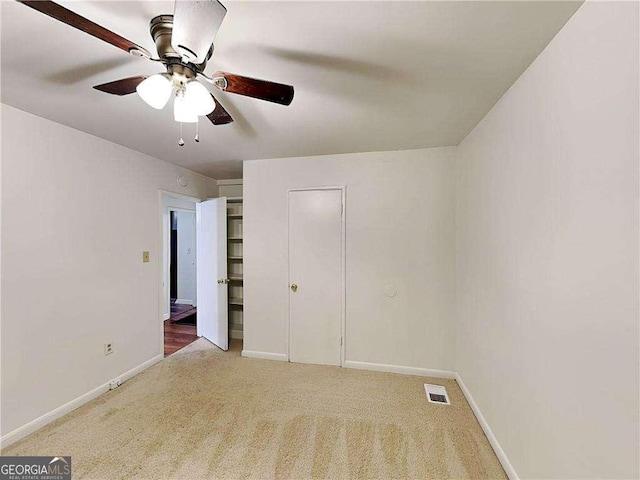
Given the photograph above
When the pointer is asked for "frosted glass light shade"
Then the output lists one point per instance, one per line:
(199, 99)
(156, 90)
(182, 111)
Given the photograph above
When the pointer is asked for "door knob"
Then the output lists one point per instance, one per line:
(294, 287)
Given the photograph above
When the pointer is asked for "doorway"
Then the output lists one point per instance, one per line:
(182, 262)
(204, 223)
(316, 276)
(179, 279)
(180, 328)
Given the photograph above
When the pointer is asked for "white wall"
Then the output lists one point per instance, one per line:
(548, 255)
(186, 256)
(77, 213)
(230, 188)
(400, 230)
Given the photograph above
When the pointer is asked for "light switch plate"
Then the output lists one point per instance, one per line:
(145, 257)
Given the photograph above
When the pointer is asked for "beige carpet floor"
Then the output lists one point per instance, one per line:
(203, 414)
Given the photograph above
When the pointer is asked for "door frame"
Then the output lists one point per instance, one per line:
(162, 256)
(343, 275)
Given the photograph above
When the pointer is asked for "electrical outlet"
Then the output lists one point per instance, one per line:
(108, 348)
(113, 384)
(145, 257)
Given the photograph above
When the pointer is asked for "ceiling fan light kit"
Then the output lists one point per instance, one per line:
(192, 99)
(184, 42)
(198, 99)
(156, 90)
(182, 111)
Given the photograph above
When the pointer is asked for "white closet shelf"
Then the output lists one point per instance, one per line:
(235, 261)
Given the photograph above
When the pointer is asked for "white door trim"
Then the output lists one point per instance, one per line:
(343, 190)
(162, 238)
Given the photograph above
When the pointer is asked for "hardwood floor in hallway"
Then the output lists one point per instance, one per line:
(177, 336)
(181, 312)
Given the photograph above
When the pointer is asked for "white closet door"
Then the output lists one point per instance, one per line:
(211, 237)
(315, 276)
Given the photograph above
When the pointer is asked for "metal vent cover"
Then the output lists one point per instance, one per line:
(436, 394)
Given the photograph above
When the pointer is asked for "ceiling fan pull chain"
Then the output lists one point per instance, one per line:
(197, 137)
(181, 141)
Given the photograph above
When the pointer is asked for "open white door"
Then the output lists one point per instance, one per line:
(211, 236)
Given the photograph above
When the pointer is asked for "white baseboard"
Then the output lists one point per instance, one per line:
(184, 301)
(282, 357)
(143, 366)
(36, 424)
(235, 334)
(502, 457)
(381, 367)
(166, 316)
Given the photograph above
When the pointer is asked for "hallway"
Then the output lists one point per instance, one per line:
(180, 328)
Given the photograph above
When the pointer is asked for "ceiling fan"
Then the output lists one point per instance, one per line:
(184, 42)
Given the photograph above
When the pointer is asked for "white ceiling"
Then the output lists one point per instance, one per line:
(368, 76)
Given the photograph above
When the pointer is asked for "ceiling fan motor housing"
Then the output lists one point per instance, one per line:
(161, 28)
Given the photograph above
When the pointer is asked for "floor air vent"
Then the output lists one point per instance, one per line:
(436, 394)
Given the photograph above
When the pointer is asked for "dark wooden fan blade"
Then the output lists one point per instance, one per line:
(73, 19)
(261, 89)
(219, 116)
(195, 25)
(121, 87)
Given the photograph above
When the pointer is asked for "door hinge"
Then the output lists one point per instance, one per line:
(342, 208)
(340, 341)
